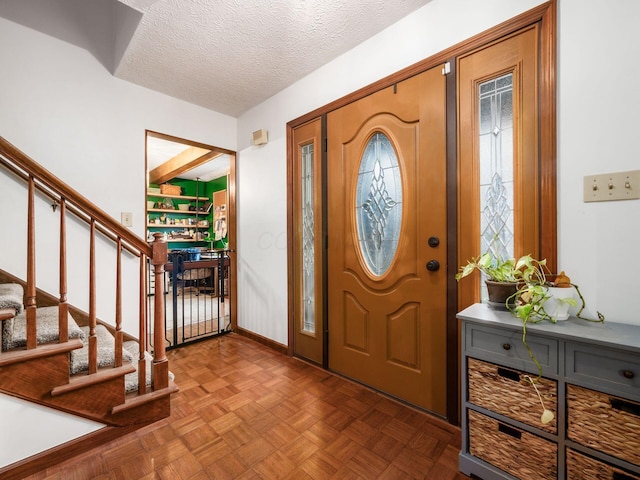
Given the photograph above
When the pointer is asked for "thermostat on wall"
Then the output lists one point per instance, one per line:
(260, 137)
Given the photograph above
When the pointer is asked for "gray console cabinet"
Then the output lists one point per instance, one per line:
(591, 380)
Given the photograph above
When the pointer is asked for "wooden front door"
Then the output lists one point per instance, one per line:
(387, 238)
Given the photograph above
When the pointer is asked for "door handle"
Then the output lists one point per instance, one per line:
(433, 265)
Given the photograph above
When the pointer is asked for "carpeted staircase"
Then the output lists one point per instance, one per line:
(14, 335)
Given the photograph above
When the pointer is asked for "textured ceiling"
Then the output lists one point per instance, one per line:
(231, 55)
(224, 55)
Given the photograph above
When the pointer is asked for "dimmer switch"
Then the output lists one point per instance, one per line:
(612, 186)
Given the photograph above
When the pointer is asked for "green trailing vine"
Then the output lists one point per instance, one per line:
(528, 302)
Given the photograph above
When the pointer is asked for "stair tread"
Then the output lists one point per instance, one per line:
(22, 355)
(82, 381)
(135, 401)
(11, 295)
(106, 347)
(14, 333)
(7, 314)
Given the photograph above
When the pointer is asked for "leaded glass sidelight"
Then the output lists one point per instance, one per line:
(496, 167)
(308, 266)
(378, 203)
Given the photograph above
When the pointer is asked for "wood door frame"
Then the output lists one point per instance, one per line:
(545, 14)
(232, 196)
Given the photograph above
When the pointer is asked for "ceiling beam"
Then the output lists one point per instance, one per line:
(192, 157)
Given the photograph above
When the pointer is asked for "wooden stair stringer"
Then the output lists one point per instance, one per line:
(35, 374)
(41, 375)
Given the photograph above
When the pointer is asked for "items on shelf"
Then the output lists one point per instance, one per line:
(180, 218)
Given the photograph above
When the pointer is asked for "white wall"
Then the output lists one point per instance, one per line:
(598, 101)
(46, 428)
(61, 107)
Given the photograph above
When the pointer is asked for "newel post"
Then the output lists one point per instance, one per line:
(160, 362)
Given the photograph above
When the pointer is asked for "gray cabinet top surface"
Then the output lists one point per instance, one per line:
(616, 335)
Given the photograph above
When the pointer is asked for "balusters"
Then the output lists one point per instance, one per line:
(143, 341)
(30, 303)
(119, 334)
(63, 306)
(93, 340)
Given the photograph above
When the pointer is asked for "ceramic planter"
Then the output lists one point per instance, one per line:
(499, 292)
(555, 306)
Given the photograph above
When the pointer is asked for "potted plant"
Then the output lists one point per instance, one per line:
(504, 277)
(536, 294)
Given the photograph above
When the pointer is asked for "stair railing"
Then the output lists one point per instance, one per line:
(69, 200)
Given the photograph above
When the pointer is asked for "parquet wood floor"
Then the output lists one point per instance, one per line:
(247, 412)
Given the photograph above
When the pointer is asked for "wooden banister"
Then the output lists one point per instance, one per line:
(48, 179)
(70, 201)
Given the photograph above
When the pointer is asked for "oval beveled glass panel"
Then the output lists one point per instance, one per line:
(378, 203)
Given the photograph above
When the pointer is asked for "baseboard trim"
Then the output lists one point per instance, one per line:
(53, 456)
(278, 347)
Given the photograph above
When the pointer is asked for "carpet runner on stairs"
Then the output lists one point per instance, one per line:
(47, 321)
(14, 335)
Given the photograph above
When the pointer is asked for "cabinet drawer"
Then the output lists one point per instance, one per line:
(506, 348)
(582, 467)
(507, 392)
(617, 370)
(604, 422)
(519, 453)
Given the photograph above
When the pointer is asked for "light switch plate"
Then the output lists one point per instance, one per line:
(612, 186)
(126, 218)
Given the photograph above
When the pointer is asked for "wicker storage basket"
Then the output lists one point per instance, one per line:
(168, 189)
(507, 392)
(581, 467)
(604, 422)
(519, 453)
